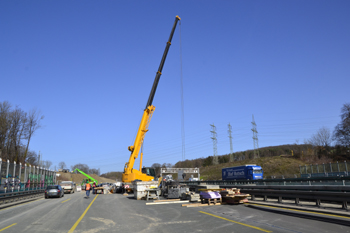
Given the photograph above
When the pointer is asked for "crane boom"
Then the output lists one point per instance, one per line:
(159, 72)
(131, 174)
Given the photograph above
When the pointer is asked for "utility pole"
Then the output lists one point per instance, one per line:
(255, 139)
(215, 146)
(230, 137)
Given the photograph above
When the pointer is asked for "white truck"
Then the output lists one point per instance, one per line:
(68, 186)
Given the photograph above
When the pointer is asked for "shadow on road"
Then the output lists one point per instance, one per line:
(311, 216)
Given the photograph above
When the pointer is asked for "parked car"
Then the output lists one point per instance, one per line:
(68, 186)
(54, 191)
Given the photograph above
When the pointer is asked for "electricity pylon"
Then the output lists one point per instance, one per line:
(230, 137)
(215, 146)
(255, 139)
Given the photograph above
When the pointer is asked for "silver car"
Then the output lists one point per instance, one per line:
(54, 191)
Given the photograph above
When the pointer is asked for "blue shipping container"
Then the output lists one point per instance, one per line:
(245, 172)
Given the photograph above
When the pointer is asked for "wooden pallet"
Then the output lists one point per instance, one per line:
(211, 201)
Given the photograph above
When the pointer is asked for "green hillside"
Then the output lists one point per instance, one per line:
(272, 166)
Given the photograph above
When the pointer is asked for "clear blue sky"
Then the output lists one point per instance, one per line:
(89, 67)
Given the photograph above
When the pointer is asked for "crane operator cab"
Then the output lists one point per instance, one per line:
(149, 171)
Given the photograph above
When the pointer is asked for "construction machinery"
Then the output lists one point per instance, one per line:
(89, 179)
(145, 174)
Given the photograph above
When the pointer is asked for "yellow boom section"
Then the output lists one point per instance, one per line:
(131, 174)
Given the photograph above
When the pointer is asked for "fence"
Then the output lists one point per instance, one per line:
(325, 170)
(17, 177)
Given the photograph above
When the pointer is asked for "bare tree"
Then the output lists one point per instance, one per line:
(82, 167)
(156, 167)
(5, 108)
(62, 165)
(342, 131)
(32, 158)
(321, 138)
(33, 123)
(47, 164)
(16, 129)
(94, 171)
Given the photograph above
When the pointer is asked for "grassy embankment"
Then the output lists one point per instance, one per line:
(272, 166)
(78, 178)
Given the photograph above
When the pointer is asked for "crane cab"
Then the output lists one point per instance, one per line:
(149, 171)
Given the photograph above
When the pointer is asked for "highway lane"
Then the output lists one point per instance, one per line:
(118, 213)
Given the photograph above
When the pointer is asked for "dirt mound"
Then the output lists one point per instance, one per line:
(78, 178)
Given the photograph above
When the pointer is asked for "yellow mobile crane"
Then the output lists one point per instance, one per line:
(145, 174)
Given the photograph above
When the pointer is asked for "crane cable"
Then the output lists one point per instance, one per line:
(182, 101)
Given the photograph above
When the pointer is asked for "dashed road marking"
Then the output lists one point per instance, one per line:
(8, 227)
(65, 200)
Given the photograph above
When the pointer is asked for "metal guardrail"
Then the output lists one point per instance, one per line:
(286, 181)
(17, 196)
(331, 189)
(317, 196)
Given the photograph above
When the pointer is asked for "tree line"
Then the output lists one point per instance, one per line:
(83, 167)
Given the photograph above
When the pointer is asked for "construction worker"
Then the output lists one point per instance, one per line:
(88, 188)
(93, 187)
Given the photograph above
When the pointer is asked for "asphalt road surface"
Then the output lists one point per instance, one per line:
(118, 213)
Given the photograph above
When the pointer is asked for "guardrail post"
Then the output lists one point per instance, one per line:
(297, 200)
(346, 166)
(338, 166)
(318, 202)
(279, 199)
(253, 197)
(345, 205)
(265, 198)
